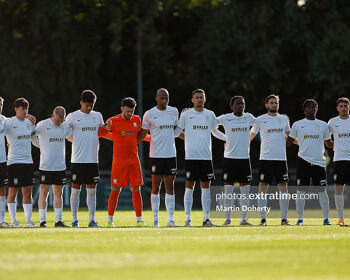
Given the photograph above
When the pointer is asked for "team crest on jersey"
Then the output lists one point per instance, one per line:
(279, 120)
(206, 118)
(135, 125)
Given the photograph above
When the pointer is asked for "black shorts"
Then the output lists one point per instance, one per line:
(52, 177)
(85, 173)
(308, 173)
(21, 175)
(270, 169)
(237, 170)
(4, 181)
(163, 166)
(341, 171)
(199, 170)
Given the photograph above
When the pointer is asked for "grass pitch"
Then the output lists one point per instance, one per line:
(274, 252)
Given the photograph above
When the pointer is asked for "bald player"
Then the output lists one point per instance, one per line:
(161, 121)
(51, 134)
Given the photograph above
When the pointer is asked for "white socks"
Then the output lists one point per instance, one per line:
(339, 203)
(206, 203)
(28, 209)
(58, 214)
(74, 203)
(12, 208)
(155, 201)
(170, 206)
(91, 203)
(228, 202)
(244, 201)
(188, 201)
(2, 208)
(300, 204)
(324, 202)
(42, 215)
(284, 203)
(262, 202)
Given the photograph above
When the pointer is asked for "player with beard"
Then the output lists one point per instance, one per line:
(274, 129)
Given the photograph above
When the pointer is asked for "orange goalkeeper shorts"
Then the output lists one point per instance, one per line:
(124, 171)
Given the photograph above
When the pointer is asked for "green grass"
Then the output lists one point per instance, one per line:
(274, 252)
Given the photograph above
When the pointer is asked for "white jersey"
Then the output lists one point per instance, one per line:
(198, 127)
(2, 139)
(161, 124)
(237, 134)
(18, 134)
(85, 136)
(311, 135)
(273, 131)
(340, 129)
(52, 145)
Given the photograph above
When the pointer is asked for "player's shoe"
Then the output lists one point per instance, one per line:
(75, 223)
(227, 223)
(171, 224)
(326, 222)
(285, 222)
(4, 225)
(155, 223)
(110, 225)
(94, 224)
(30, 224)
(341, 222)
(262, 222)
(15, 223)
(141, 224)
(188, 223)
(60, 224)
(43, 224)
(300, 222)
(208, 223)
(245, 223)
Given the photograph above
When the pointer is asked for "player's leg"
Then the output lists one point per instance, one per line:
(206, 174)
(3, 184)
(341, 172)
(42, 203)
(155, 198)
(27, 179)
(112, 204)
(92, 178)
(12, 205)
(169, 179)
(303, 184)
(319, 180)
(58, 205)
(281, 176)
(244, 177)
(265, 178)
(192, 175)
(135, 181)
(228, 172)
(76, 169)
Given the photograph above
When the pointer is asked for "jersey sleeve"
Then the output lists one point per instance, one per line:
(287, 128)
(177, 117)
(330, 126)
(220, 120)
(214, 122)
(69, 120)
(145, 122)
(256, 126)
(101, 122)
(326, 133)
(181, 123)
(39, 128)
(293, 134)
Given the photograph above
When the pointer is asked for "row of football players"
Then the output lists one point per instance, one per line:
(82, 128)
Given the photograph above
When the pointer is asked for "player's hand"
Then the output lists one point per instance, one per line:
(31, 118)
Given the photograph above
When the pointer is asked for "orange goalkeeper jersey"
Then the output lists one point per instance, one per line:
(124, 133)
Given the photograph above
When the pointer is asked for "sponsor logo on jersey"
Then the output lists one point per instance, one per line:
(20, 137)
(200, 127)
(128, 132)
(275, 130)
(167, 126)
(56, 140)
(313, 137)
(239, 129)
(88, 128)
(344, 135)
